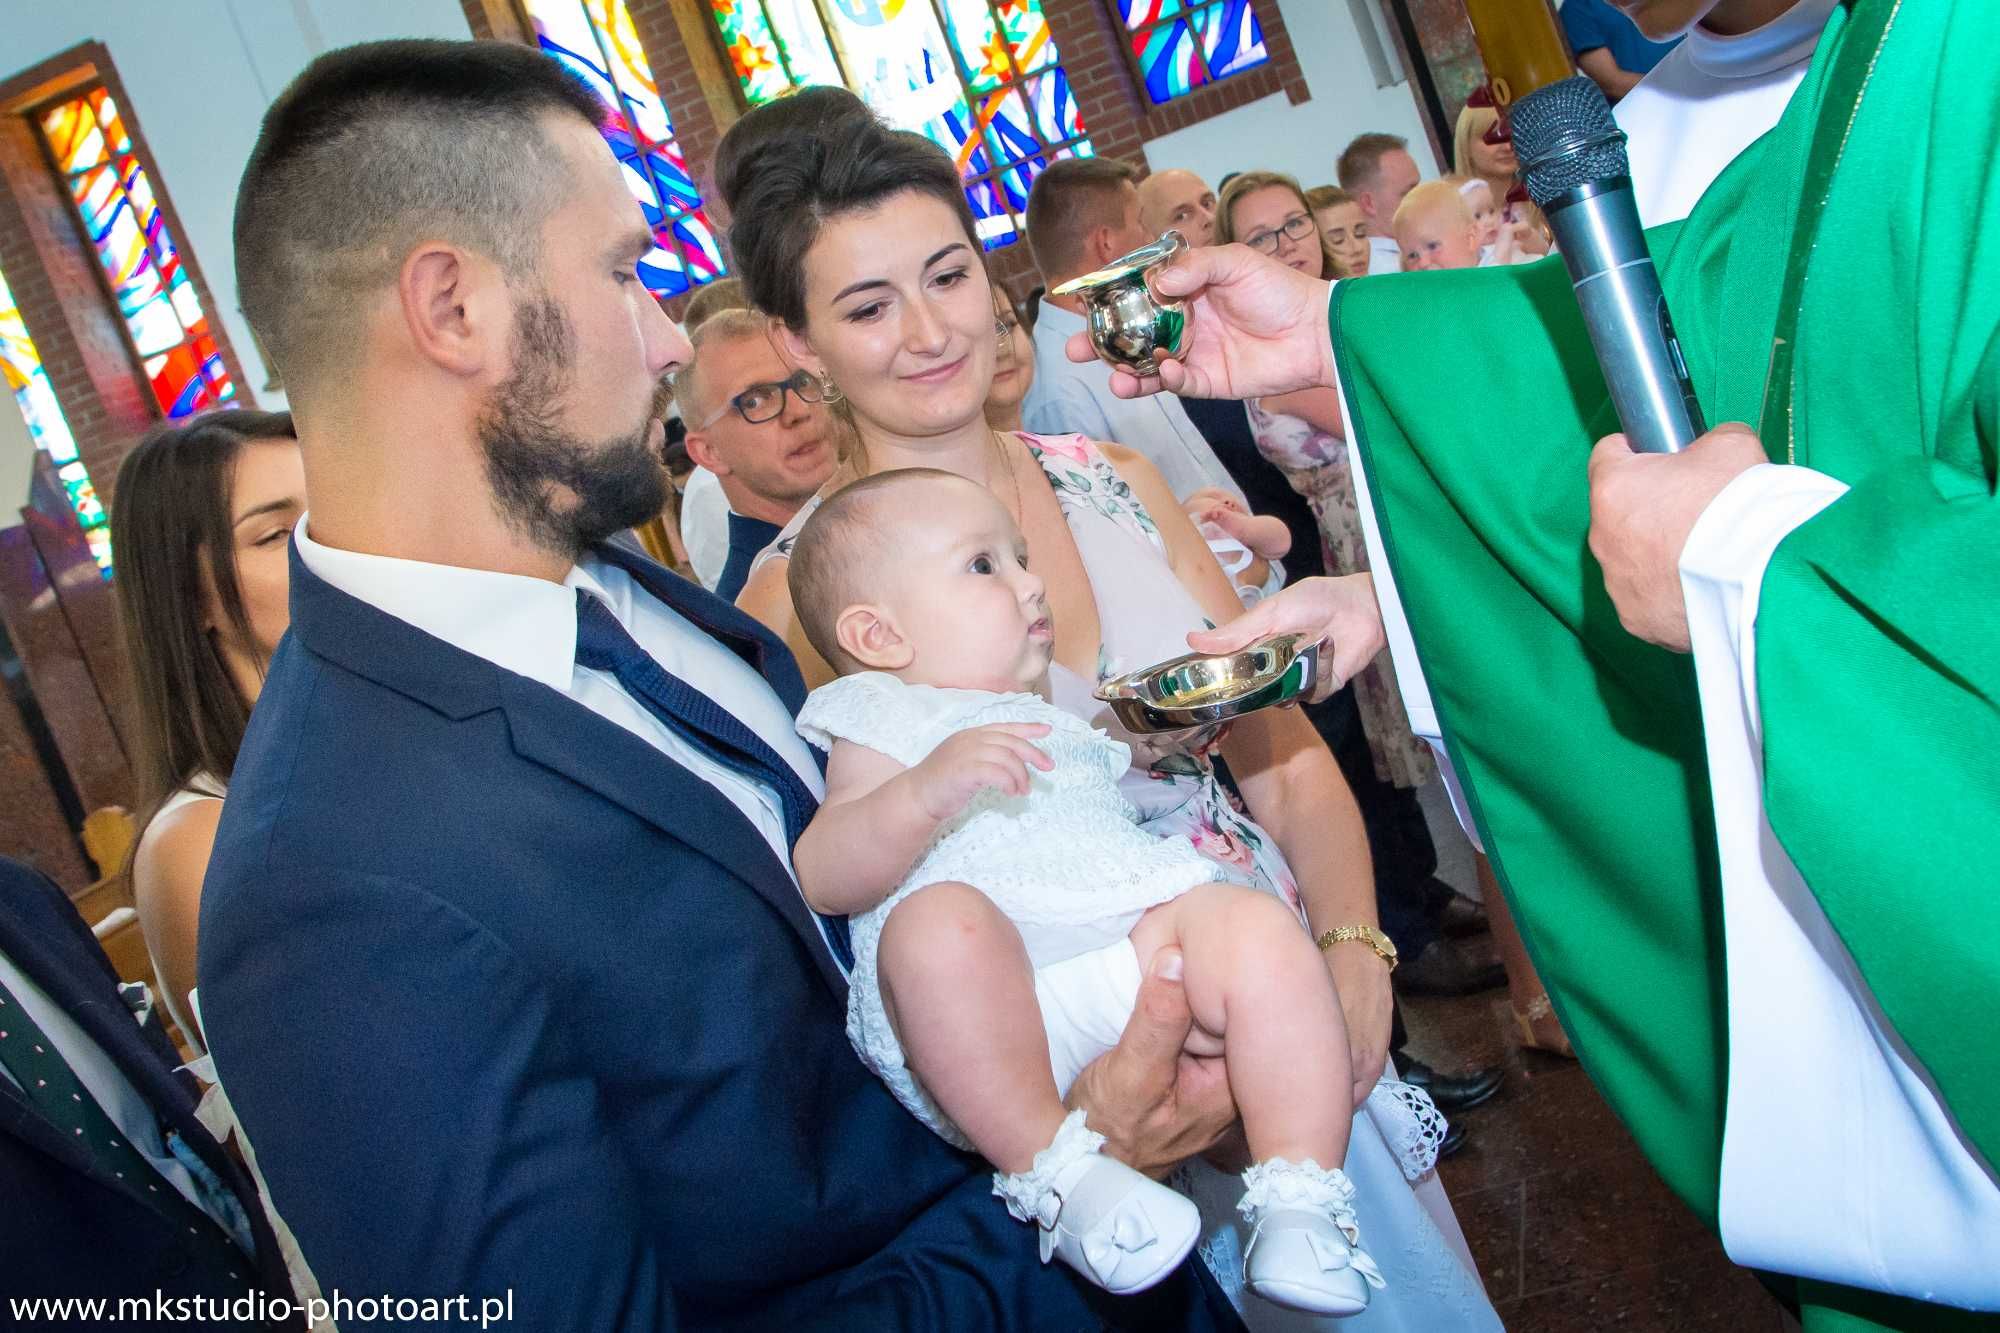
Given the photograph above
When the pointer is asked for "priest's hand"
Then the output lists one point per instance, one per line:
(1340, 610)
(1155, 1105)
(1642, 508)
(1254, 327)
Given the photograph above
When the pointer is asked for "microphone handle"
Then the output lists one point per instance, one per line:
(1596, 227)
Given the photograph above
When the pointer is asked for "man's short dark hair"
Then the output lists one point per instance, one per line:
(1360, 164)
(1067, 201)
(375, 147)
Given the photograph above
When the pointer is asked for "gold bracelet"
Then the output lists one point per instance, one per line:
(1383, 946)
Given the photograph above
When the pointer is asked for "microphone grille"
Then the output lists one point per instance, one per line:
(1564, 135)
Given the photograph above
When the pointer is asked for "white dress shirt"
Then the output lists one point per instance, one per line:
(102, 1078)
(1384, 255)
(1069, 397)
(528, 626)
(705, 526)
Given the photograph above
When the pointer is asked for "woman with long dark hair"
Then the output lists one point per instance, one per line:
(858, 242)
(201, 521)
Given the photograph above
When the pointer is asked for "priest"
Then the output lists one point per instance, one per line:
(1751, 876)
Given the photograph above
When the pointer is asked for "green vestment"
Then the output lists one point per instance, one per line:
(1841, 259)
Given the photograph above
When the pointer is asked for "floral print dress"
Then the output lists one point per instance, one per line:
(1316, 465)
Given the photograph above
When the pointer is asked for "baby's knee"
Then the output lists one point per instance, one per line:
(939, 921)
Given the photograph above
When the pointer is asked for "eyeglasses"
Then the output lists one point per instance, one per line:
(1298, 226)
(766, 402)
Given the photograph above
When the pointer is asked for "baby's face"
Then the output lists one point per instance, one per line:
(1485, 216)
(973, 615)
(1437, 239)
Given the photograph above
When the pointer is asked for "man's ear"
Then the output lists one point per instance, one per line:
(869, 635)
(455, 309)
(702, 450)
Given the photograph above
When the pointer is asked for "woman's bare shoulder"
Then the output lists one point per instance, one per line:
(173, 853)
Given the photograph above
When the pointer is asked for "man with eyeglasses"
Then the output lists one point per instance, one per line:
(758, 425)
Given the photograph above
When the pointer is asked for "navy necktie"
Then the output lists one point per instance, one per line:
(603, 644)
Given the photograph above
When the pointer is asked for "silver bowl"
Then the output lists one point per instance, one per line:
(1130, 324)
(1200, 690)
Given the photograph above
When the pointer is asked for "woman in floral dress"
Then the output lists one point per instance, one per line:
(868, 261)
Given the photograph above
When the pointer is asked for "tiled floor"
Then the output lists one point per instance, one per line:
(1571, 1228)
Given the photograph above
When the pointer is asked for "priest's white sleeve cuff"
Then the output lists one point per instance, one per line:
(1838, 1161)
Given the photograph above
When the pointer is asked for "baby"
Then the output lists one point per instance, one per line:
(954, 789)
(1248, 546)
(1500, 241)
(1434, 228)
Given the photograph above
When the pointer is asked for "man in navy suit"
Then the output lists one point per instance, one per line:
(501, 957)
(113, 1189)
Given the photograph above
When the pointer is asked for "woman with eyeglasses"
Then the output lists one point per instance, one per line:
(1302, 435)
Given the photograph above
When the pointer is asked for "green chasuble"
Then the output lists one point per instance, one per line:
(1851, 258)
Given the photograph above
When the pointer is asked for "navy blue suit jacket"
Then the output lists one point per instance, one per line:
(64, 1231)
(508, 1000)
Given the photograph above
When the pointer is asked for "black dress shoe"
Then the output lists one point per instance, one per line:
(1453, 1092)
(1463, 918)
(1454, 1139)
(1444, 968)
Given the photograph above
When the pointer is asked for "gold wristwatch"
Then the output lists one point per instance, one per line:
(1384, 948)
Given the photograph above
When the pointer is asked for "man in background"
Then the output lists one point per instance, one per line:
(1179, 199)
(1377, 170)
(1083, 213)
(1609, 48)
(758, 426)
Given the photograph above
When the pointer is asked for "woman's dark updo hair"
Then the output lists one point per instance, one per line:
(814, 108)
(787, 184)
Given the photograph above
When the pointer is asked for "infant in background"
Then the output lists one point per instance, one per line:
(1500, 242)
(1434, 229)
(1248, 546)
(1004, 905)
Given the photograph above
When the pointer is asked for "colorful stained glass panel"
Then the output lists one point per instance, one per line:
(122, 220)
(595, 40)
(27, 380)
(1179, 47)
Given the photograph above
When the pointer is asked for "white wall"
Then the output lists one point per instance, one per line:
(1271, 134)
(199, 75)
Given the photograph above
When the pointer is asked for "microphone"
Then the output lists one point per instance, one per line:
(1573, 156)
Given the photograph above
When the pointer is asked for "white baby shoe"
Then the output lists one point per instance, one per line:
(1121, 1230)
(1305, 1246)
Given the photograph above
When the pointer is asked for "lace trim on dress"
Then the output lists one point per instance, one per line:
(1411, 1124)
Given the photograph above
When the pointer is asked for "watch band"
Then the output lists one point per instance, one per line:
(1382, 946)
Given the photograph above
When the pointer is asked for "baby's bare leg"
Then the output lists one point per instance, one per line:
(1254, 978)
(961, 997)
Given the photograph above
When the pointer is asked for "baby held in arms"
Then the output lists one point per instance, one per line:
(952, 777)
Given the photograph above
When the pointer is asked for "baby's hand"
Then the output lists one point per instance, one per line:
(998, 756)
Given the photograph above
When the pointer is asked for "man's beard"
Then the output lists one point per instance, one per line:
(564, 493)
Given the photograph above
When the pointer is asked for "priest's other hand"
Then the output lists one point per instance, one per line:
(1341, 610)
(1642, 508)
(1254, 327)
(1155, 1105)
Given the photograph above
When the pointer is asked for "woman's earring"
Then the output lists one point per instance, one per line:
(1001, 330)
(829, 392)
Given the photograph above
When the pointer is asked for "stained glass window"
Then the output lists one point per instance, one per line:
(89, 144)
(981, 78)
(28, 381)
(595, 39)
(1180, 45)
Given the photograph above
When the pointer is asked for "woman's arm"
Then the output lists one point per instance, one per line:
(1318, 408)
(1294, 790)
(167, 872)
(767, 598)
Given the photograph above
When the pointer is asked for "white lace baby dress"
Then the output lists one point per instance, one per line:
(1067, 863)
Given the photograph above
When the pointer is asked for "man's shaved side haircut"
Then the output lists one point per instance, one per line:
(849, 537)
(376, 148)
(1360, 165)
(1066, 202)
